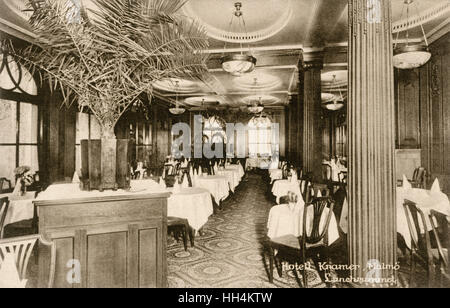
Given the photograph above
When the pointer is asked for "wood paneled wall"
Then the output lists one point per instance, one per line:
(423, 111)
(57, 155)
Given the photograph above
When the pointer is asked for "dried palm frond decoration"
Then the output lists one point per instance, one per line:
(104, 58)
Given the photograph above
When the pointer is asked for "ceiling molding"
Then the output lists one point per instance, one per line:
(238, 37)
(438, 32)
(422, 18)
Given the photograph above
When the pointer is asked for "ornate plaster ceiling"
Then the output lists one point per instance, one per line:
(279, 31)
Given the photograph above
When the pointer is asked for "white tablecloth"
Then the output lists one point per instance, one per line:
(334, 170)
(217, 185)
(282, 187)
(232, 175)
(194, 204)
(20, 208)
(237, 167)
(275, 174)
(258, 162)
(286, 221)
(425, 200)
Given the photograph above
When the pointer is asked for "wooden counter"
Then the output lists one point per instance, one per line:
(113, 241)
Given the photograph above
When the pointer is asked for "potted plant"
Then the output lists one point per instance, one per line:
(103, 58)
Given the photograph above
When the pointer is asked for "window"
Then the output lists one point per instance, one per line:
(19, 119)
(260, 137)
(87, 127)
(213, 130)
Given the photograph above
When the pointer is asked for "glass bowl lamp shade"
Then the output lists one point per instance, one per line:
(238, 64)
(256, 109)
(334, 105)
(177, 110)
(411, 56)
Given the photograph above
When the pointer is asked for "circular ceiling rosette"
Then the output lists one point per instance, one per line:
(266, 100)
(170, 85)
(203, 101)
(272, 16)
(257, 82)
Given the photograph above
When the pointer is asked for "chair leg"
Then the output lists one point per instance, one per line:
(431, 275)
(412, 269)
(271, 260)
(304, 276)
(191, 235)
(184, 235)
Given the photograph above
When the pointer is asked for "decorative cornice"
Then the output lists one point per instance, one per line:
(426, 16)
(252, 37)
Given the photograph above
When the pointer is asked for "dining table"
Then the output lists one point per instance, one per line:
(20, 207)
(426, 200)
(217, 185)
(238, 167)
(192, 203)
(258, 162)
(281, 188)
(275, 174)
(232, 175)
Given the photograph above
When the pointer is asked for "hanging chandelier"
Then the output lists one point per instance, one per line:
(337, 102)
(238, 64)
(258, 106)
(411, 56)
(177, 110)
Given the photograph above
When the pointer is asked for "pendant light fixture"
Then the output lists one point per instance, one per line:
(409, 56)
(337, 102)
(238, 64)
(177, 110)
(258, 106)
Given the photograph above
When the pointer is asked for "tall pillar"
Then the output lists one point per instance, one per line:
(312, 114)
(370, 116)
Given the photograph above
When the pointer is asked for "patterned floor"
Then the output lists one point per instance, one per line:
(230, 253)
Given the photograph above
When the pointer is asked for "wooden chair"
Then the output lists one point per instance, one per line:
(176, 226)
(313, 245)
(22, 247)
(419, 179)
(4, 203)
(439, 224)
(421, 250)
(2, 185)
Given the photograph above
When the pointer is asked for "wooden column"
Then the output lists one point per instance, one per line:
(312, 113)
(371, 125)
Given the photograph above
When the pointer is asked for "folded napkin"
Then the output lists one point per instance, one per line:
(9, 275)
(162, 183)
(406, 183)
(191, 172)
(17, 191)
(436, 188)
(75, 178)
(294, 177)
(200, 172)
(185, 183)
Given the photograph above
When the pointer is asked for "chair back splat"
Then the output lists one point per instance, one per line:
(4, 203)
(318, 206)
(22, 247)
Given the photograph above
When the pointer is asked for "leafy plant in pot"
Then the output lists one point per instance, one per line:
(103, 58)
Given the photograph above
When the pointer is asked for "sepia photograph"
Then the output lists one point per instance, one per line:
(224, 151)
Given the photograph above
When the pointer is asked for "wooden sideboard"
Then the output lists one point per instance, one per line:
(106, 242)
